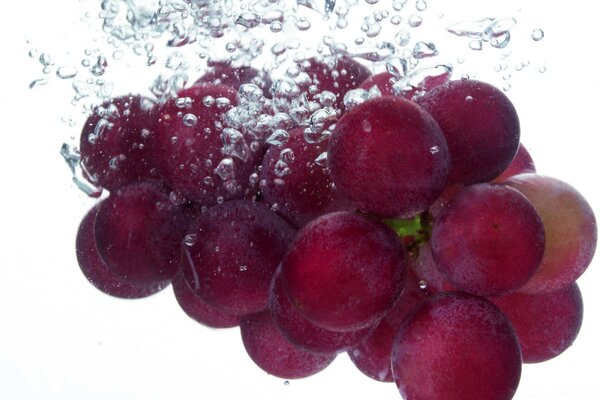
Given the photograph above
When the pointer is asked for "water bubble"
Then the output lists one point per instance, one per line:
(414, 21)
(476, 44)
(45, 60)
(234, 144)
(396, 20)
(190, 120)
(276, 26)
(424, 50)
(282, 168)
(402, 38)
(423, 284)
(278, 138)
(501, 41)
(541, 69)
(421, 5)
(321, 159)
(469, 99)
(302, 24)
(38, 82)
(537, 34)
(354, 97)
(99, 68)
(66, 72)
(434, 149)
(226, 169)
(190, 240)
(248, 20)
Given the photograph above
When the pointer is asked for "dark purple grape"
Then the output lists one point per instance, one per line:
(521, 164)
(373, 356)
(428, 274)
(303, 333)
(456, 346)
(222, 73)
(189, 151)
(489, 240)
(481, 127)
(390, 157)
(383, 81)
(571, 232)
(546, 323)
(272, 352)
(198, 309)
(299, 188)
(115, 141)
(97, 272)
(231, 253)
(138, 234)
(344, 271)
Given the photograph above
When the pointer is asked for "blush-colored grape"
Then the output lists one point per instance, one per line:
(303, 333)
(344, 271)
(489, 240)
(456, 346)
(115, 141)
(481, 127)
(521, 164)
(272, 352)
(373, 356)
(390, 157)
(571, 232)
(189, 148)
(234, 250)
(546, 323)
(198, 309)
(303, 191)
(97, 272)
(138, 232)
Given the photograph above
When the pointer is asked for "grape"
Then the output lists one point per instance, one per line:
(301, 332)
(335, 75)
(189, 148)
(571, 232)
(236, 249)
(374, 354)
(305, 191)
(546, 323)
(389, 156)
(521, 164)
(489, 240)
(384, 82)
(198, 309)
(114, 142)
(427, 273)
(222, 73)
(274, 354)
(456, 346)
(344, 271)
(96, 271)
(448, 194)
(138, 233)
(481, 126)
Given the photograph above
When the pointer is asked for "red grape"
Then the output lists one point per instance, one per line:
(303, 333)
(389, 156)
(481, 126)
(96, 270)
(235, 249)
(222, 73)
(272, 352)
(456, 346)
(138, 232)
(305, 191)
(427, 273)
(521, 164)
(115, 140)
(383, 81)
(571, 232)
(546, 323)
(344, 271)
(489, 240)
(189, 151)
(198, 309)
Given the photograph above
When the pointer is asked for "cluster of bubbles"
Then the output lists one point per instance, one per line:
(184, 36)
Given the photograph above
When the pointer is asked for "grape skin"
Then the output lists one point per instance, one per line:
(456, 346)
(489, 240)
(571, 232)
(390, 157)
(344, 271)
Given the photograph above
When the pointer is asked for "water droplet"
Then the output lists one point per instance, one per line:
(243, 268)
(537, 34)
(469, 99)
(434, 149)
(414, 21)
(421, 5)
(99, 68)
(423, 284)
(190, 239)
(279, 137)
(45, 59)
(66, 72)
(226, 169)
(321, 159)
(396, 20)
(282, 168)
(190, 120)
(286, 383)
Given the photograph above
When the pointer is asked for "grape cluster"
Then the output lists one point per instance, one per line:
(426, 246)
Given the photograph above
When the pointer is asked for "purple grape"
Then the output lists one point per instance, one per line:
(231, 253)
(138, 233)
(481, 127)
(521, 164)
(489, 240)
(303, 191)
(97, 272)
(344, 271)
(303, 333)
(115, 141)
(198, 309)
(456, 346)
(571, 232)
(273, 353)
(222, 73)
(546, 323)
(389, 156)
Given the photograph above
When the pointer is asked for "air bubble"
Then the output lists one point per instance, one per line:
(190, 120)
(476, 44)
(66, 72)
(402, 38)
(424, 50)
(414, 21)
(421, 5)
(190, 240)
(434, 149)
(537, 34)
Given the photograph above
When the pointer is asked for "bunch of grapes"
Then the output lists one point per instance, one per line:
(409, 230)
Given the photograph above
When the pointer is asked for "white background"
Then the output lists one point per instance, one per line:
(62, 339)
